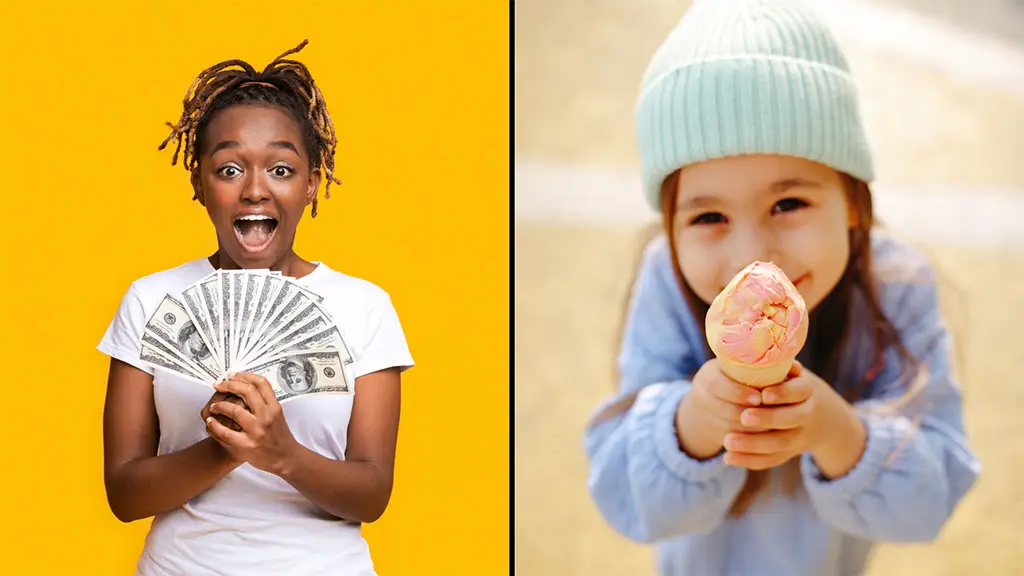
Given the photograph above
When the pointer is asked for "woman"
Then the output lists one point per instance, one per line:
(286, 492)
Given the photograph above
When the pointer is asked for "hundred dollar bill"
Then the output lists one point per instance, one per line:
(268, 295)
(169, 350)
(171, 324)
(245, 303)
(209, 288)
(313, 328)
(310, 313)
(225, 319)
(192, 298)
(153, 357)
(254, 285)
(289, 301)
(237, 295)
(328, 338)
(306, 373)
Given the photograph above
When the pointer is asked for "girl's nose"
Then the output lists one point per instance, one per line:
(749, 243)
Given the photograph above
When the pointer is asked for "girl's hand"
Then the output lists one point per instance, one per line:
(797, 413)
(711, 410)
(265, 441)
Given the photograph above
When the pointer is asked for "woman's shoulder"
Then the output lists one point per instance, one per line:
(356, 291)
(156, 284)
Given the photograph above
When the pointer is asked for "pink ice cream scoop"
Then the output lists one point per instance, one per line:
(757, 325)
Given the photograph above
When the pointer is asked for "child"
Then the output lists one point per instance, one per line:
(751, 146)
(285, 493)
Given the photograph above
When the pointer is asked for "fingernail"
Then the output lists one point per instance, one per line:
(770, 397)
(748, 419)
(732, 443)
(754, 399)
(208, 420)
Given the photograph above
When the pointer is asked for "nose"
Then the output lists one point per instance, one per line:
(749, 243)
(255, 191)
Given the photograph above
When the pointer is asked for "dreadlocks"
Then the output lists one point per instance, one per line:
(283, 83)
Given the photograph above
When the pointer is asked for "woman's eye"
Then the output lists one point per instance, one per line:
(788, 205)
(708, 218)
(281, 171)
(229, 171)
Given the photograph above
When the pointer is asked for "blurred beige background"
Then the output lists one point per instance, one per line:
(942, 86)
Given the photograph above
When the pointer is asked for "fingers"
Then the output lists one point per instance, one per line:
(246, 390)
(778, 417)
(755, 461)
(795, 370)
(763, 443)
(225, 435)
(723, 388)
(236, 412)
(726, 414)
(262, 385)
(791, 391)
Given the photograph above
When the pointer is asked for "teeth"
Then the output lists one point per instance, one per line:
(255, 217)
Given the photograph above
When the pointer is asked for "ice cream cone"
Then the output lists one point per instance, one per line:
(755, 376)
(757, 325)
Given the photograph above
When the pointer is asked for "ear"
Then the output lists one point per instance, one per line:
(197, 187)
(312, 186)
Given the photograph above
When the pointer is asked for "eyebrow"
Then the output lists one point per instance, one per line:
(234, 144)
(779, 187)
(783, 185)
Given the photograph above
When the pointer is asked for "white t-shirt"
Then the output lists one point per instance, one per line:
(252, 522)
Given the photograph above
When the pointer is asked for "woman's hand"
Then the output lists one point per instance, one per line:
(264, 441)
(802, 414)
(222, 397)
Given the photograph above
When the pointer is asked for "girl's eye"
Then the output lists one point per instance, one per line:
(788, 205)
(281, 171)
(229, 171)
(708, 218)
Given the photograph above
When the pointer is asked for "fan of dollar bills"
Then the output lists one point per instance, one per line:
(255, 321)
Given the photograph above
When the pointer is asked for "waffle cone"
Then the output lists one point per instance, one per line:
(756, 376)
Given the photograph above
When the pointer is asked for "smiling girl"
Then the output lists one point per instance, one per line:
(286, 492)
(752, 149)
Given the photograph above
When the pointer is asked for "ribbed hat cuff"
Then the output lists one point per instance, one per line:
(749, 105)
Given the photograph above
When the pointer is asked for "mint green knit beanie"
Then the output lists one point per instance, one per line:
(748, 77)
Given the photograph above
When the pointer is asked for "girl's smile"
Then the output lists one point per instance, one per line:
(792, 212)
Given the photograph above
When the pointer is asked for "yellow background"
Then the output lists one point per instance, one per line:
(419, 96)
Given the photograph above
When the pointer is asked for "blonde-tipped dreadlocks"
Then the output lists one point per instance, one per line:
(283, 83)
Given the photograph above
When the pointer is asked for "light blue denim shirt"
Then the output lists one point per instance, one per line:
(915, 469)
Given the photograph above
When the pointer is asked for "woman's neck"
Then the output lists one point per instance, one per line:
(291, 264)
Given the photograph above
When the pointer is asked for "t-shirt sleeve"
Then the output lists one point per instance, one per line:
(385, 345)
(123, 338)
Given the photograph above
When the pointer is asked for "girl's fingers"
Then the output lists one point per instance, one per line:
(725, 389)
(791, 391)
(763, 443)
(778, 417)
(722, 410)
(754, 461)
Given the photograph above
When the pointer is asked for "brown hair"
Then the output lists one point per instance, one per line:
(284, 83)
(830, 324)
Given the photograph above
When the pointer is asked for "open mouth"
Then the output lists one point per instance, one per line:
(255, 231)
